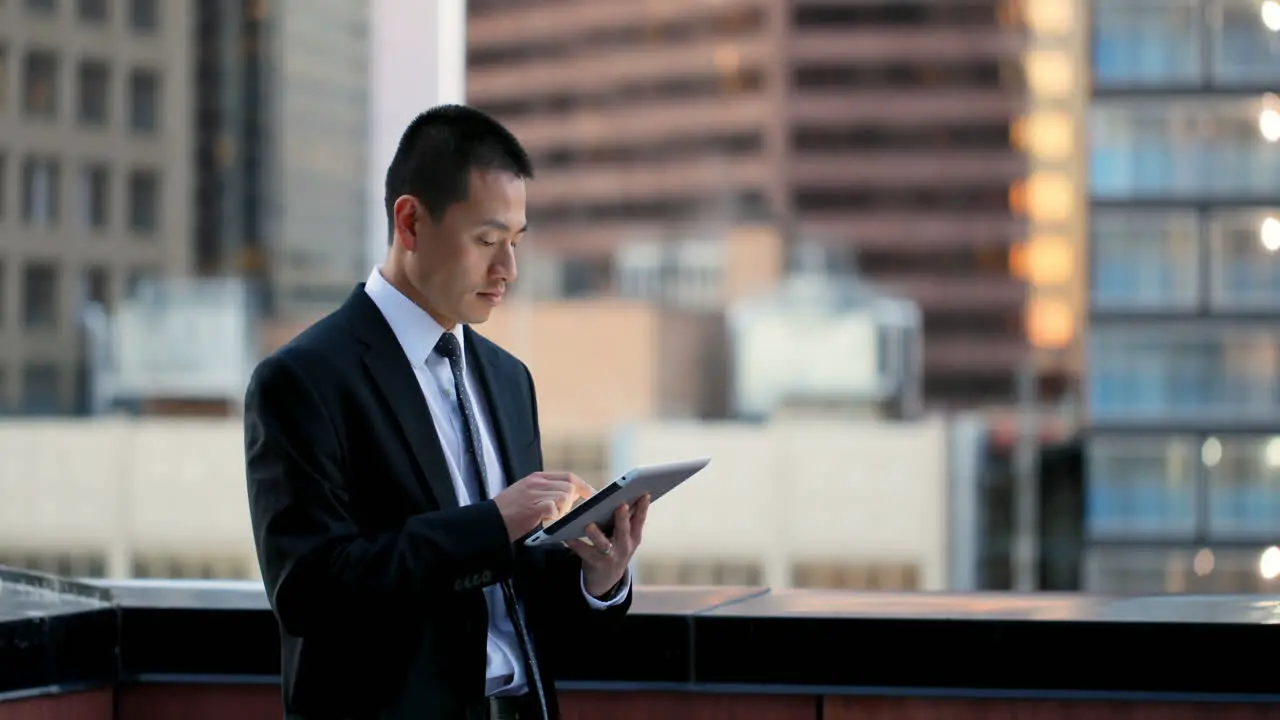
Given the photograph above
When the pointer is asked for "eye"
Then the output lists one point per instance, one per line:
(486, 240)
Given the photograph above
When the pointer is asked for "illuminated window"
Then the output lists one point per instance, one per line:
(191, 567)
(1050, 135)
(1049, 16)
(856, 576)
(1050, 73)
(1051, 323)
(63, 564)
(699, 573)
(1044, 197)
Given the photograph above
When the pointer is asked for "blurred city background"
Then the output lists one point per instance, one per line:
(957, 294)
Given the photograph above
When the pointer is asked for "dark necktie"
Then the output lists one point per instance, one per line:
(451, 349)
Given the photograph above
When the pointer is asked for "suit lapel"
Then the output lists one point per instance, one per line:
(481, 360)
(395, 379)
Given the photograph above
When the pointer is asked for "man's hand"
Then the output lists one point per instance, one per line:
(540, 497)
(605, 559)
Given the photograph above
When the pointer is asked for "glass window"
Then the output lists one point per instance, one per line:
(41, 178)
(40, 84)
(1193, 149)
(94, 11)
(1141, 487)
(95, 198)
(1146, 42)
(1145, 259)
(1244, 253)
(4, 78)
(144, 15)
(144, 202)
(40, 296)
(1212, 374)
(144, 101)
(1245, 51)
(94, 92)
(1244, 486)
(40, 389)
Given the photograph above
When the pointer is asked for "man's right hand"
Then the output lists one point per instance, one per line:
(540, 497)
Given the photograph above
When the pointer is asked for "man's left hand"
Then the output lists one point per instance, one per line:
(605, 559)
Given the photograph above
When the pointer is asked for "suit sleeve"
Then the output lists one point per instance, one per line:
(319, 567)
(565, 567)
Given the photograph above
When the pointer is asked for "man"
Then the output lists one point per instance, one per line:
(394, 464)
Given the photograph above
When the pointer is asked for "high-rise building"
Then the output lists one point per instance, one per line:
(1183, 462)
(95, 168)
(881, 128)
(282, 147)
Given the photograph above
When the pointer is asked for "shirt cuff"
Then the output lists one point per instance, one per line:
(619, 593)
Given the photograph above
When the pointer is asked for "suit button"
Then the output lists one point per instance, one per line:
(457, 585)
(486, 577)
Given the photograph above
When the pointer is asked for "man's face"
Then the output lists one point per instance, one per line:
(461, 265)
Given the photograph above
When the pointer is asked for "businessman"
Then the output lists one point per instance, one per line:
(394, 462)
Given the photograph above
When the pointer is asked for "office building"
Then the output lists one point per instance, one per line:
(95, 167)
(879, 128)
(282, 148)
(1183, 464)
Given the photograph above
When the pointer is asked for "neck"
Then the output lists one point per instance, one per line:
(395, 276)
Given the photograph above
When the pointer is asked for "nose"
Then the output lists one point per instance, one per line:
(504, 266)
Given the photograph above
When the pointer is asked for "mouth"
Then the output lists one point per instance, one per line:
(493, 298)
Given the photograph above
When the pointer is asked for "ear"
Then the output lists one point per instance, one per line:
(406, 213)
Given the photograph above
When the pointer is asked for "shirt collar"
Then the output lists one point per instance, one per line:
(416, 331)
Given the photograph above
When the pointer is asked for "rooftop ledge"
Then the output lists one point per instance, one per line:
(139, 650)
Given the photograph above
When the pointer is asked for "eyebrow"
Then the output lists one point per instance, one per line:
(497, 224)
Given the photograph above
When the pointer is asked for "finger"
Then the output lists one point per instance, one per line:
(583, 550)
(622, 526)
(583, 489)
(637, 519)
(598, 539)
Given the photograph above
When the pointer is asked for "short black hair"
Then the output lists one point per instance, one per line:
(438, 151)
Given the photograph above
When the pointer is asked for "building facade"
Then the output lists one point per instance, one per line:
(95, 168)
(1183, 465)
(283, 118)
(879, 128)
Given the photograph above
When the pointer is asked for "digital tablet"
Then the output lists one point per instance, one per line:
(652, 480)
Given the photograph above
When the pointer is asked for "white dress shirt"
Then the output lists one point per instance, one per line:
(418, 334)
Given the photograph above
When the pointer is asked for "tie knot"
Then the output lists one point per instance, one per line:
(449, 347)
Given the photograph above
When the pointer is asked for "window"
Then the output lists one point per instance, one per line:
(40, 389)
(1147, 42)
(1244, 486)
(699, 572)
(144, 101)
(40, 84)
(1183, 149)
(584, 457)
(92, 11)
(856, 576)
(144, 202)
(4, 78)
(1141, 487)
(1201, 372)
(96, 286)
(63, 564)
(94, 91)
(1244, 256)
(40, 296)
(1145, 260)
(42, 7)
(1116, 571)
(95, 199)
(144, 15)
(190, 567)
(41, 177)
(1244, 50)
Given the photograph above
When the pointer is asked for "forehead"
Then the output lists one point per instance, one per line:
(495, 193)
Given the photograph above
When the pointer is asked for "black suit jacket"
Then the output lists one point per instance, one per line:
(374, 572)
